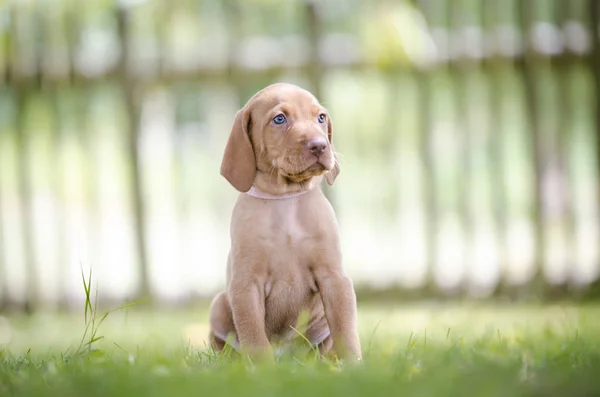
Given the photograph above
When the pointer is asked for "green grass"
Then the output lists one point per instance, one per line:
(414, 350)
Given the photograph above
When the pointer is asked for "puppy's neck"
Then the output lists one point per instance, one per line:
(255, 192)
(277, 186)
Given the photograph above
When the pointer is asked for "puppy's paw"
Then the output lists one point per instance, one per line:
(263, 355)
(350, 359)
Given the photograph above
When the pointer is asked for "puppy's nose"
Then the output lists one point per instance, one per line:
(317, 146)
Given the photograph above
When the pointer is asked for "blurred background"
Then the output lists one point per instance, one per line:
(469, 133)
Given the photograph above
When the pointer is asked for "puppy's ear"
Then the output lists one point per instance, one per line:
(239, 165)
(331, 175)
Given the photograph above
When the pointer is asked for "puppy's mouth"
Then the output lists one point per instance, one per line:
(315, 169)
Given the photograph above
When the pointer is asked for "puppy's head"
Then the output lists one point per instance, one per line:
(283, 133)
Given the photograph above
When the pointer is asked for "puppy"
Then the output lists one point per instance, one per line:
(285, 255)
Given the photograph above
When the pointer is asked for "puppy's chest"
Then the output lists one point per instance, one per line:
(289, 236)
(289, 261)
(290, 288)
(291, 246)
(292, 279)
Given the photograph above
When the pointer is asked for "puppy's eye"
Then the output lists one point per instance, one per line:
(322, 118)
(279, 119)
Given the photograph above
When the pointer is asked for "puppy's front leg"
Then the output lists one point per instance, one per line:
(339, 302)
(248, 309)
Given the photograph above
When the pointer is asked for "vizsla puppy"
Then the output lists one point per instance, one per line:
(285, 254)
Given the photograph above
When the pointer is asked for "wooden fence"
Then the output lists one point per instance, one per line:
(469, 131)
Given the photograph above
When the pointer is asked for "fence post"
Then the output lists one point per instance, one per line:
(495, 64)
(22, 93)
(531, 98)
(315, 66)
(21, 90)
(565, 137)
(315, 32)
(3, 267)
(460, 70)
(594, 11)
(429, 188)
(128, 85)
(3, 274)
